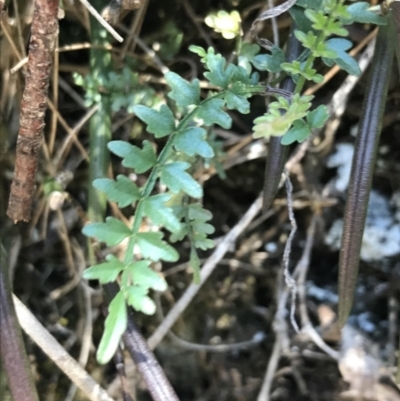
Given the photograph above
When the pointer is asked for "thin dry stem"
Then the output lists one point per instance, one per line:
(58, 354)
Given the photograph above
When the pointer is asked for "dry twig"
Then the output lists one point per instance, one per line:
(43, 35)
(57, 354)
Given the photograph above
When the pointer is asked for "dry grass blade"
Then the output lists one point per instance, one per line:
(58, 354)
(117, 9)
(272, 13)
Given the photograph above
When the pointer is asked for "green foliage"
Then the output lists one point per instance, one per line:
(112, 232)
(160, 214)
(114, 327)
(342, 59)
(281, 115)
(123, 89)
(141, 160)
(301, 129)
(183, 92)
(105, 272)
(192, 141)
(123, 190)
(186, 141)
(174, 176)
(359, 12)
(212, 112)
(317, 22)
(154, 248)
(160, 123)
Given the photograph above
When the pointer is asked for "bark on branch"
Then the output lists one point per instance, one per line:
(44, 31)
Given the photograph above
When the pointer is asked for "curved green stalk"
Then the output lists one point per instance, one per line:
(278, 153)
(100, 123)
(362, 169)
(394, 21)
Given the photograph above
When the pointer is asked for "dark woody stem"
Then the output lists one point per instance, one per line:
(44, 31)
(153, 374)
(12, 348)
(362, 169)
(278, 153)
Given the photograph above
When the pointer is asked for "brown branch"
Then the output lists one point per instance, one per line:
(33, 108)
(12, 349)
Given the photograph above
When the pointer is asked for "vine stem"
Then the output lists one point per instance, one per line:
(277, 153)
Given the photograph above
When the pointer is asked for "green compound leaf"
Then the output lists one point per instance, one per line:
(154, 248)
(199, 51)
(308, 40)
(154, 207)
(138, 299)
(359, 13)
(143, 275)
(240, 77)
(191, 141)
(203, 228)
(174, 176)
(160, 123)
(219, 74)
(293, 68)
(183, 92)
(336, 28)
(302, 22)
(299, 132)
(180, 235)
(202, 242)
(112, 232)
(246, 56)
(322, 50)
(194, 263)
(318, 18)
(269, 62)
(123, 190)
(140, 160)
(341, 12)
(199, 229)
(211, 112)
(105, 272)
(114, 327)
(237, 102)
(317, 118)
(197, 212)
(343, 60)
(276, 122)
(271, 125)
